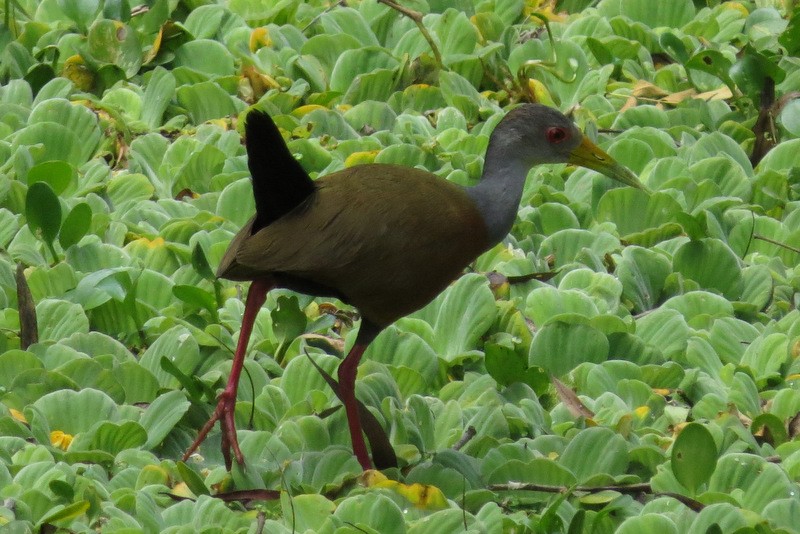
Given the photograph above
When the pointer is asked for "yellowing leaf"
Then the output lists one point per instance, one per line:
(360, 158)
(222, 123)
(153, 52)
(260, 83)
(155, 243)
(642, 411)
(735, 6)
(544, 9)
(76, 71)
(60, 439)
(420, 495)
(182, 490)
(302, 111)
(16, 414)
(259, 38)
(540, 93)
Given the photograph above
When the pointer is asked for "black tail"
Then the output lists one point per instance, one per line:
(279, 182)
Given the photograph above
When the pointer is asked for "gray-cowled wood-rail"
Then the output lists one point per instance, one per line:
(383, 238)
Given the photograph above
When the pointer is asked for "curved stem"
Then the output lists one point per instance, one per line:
(416, 16)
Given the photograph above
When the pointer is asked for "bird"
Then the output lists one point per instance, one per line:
(383, 238)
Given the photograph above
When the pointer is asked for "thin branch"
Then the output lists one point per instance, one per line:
(627, 489)
(643, 487)
(416, 16)
(28, 327)
(778, 243)
(469, 433)
(325, 12)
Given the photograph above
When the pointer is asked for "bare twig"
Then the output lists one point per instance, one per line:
(627, 489)
(28, 327)
(469, 433)
(416, 16)
(325, 12)
(571, 400)
(778, 243)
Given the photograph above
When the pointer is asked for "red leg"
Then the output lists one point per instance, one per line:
(226, 406)
(347, 387)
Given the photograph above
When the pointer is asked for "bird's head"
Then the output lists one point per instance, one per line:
(541, 134)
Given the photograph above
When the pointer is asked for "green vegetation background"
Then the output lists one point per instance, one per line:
(671, 324)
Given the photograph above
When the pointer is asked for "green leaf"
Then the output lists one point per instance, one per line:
(288, 320)
(642, 273)
(75, 225)
(672, 14)
(196, 297)
(73, 412)
(82, 12)
(507, 367)
(200, 263)
(71, 511)
(757, 481)
(43, 211)
(192, 479)
(310, 511)
(113, 42)
(59, 175)
(648, 524)
(58, 319)
(115, 438)
(545, 304)
(157, 95)
(206, 101)
(162, 415)
(595, 451)
(712, 264)
(359, 61)
(559, 347)
(206, 56)
(178, 345)
(694, 456)
(771, 428)
(633, 210)
(460, 316)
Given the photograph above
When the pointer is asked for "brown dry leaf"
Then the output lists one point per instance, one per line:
(723, 93)
(28, 326)
(571, 400)
(629, 103)
(676, 98)
(335, 343)
(794, 426)
(645, 89)
(260, 83)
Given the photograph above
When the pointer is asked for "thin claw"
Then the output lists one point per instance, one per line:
(230, 442)
(226, 405)
(201, 436)
(224, 413)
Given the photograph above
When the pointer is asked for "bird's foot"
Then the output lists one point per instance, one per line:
(224, 413)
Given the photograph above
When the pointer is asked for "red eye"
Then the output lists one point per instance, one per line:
(555, 135)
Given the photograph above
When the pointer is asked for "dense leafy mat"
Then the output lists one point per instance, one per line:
(671, 324)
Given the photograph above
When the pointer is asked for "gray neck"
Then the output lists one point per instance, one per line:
(498, 193)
